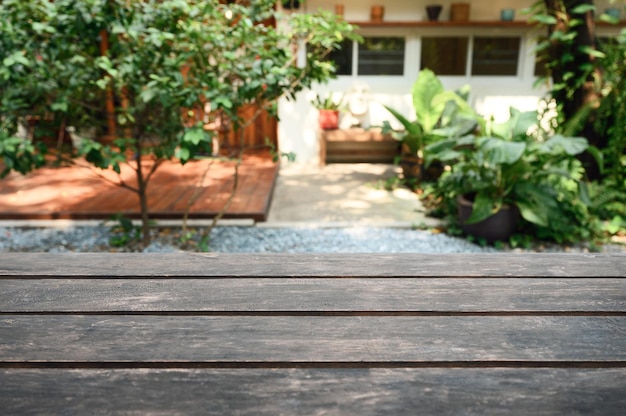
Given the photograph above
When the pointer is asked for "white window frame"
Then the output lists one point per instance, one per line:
(412, 56)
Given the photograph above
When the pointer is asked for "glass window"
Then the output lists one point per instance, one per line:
(444, 55)
(343, 58)
(495, 56)
(381, 56)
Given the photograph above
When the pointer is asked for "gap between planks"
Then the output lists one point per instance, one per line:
(184, 365)
(333, 313)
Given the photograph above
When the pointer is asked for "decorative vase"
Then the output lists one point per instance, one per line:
(459, 12)
(328, 119)
(377, 13)
(433, 11)
(339, 9)
(499, 227)
(507, 15)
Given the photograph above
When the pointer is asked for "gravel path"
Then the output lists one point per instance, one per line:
(257, 240)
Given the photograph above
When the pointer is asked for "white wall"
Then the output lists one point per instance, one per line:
(491, 96)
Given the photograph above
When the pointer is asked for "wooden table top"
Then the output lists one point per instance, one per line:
(348, 334)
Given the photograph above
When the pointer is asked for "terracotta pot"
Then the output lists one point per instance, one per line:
(459, 12)
(377, 13)
(328, 119)
(499, 227)
(339, 9)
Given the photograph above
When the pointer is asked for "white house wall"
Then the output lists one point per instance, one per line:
(490, 96)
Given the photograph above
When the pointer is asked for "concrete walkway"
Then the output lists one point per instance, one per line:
(342, 195)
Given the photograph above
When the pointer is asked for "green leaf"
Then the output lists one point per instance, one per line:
(183, 153)
(194, 135)
(583, 193)
(583, 8)
(411, 127)
(532, 213)
(500, 151)
(536, 203)
(570, 145)
(484, 207)
(147, 95)
(425, 88)
(62, 106)
(591, 51)
(608, 19)
(543, 19)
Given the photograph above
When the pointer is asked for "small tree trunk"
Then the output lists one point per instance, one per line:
(142, 193)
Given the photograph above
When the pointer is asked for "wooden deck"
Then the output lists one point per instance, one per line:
(77, 193)
(405, 334)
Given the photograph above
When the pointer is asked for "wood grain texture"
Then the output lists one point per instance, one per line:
(311, 339)
(351, 392)
(217, 265)
(514, 295)
(344, 334)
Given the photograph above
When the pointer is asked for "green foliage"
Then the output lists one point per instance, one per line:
(439, 113)
(159, 62)
(19, 155)
(518, 163)
(569, 62)
(327, 102)
(612, 112)
(123, 232)
(276, 155)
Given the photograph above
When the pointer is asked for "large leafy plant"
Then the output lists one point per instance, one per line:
(517, 163)
(438, 113)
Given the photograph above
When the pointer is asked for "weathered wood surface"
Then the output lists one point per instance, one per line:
(312, 334)
(345, 392)
(309, 295)
(314, 340)
(220, 265)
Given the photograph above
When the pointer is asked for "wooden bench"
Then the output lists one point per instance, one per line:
(357, 145)
(357, 334)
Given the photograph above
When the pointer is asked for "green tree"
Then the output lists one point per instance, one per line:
(155, 63)
(573, 63)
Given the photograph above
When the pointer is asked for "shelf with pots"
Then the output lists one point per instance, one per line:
(474, 23)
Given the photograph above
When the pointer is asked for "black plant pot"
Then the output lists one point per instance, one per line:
(433, 12)
(499, 227)
(291, 4)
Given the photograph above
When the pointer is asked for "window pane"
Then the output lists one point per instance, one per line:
(381, 56)
(495, 56)
(343, 58)
(444, 56)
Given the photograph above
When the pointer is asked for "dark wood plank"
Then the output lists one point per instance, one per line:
(287, 339)
(515, 295)
(357, 392)
(311, 265)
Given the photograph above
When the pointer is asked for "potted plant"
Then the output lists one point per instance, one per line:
(328, 111)
(516, 169)
(439, 114)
